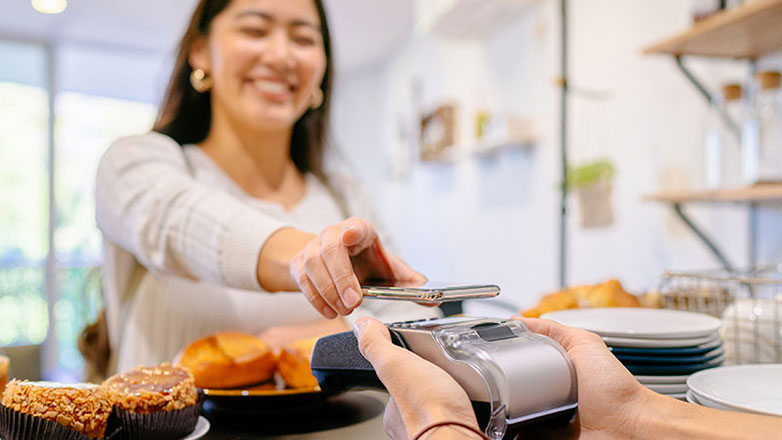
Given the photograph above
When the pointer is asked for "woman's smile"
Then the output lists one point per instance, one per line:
(274, 89)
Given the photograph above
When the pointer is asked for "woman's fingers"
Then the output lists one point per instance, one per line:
(333, 265)
(337, 261)
(299, 275)
(368, 258)
(403, 272)
(320, 277)
(358, 235)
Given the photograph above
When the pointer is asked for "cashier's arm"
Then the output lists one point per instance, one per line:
(612, 404)
(329, 267)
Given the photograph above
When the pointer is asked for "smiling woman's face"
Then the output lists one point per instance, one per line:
(266, 58)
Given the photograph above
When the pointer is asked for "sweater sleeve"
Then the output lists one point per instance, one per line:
(148, 203)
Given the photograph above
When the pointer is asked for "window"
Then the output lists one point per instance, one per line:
(24, 196)
(85, 126)
(93, 107)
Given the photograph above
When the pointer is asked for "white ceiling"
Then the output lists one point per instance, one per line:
(364, 31)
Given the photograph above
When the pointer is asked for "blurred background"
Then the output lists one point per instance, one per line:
(451, 114)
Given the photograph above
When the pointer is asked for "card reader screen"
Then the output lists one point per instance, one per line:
(495, 333)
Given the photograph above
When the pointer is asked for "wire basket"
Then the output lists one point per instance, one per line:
(749, 302)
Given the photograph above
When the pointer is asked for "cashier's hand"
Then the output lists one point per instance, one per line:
(609, 397)
(421, 393)
(330, 268)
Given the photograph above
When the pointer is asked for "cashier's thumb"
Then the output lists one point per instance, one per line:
(373, 338)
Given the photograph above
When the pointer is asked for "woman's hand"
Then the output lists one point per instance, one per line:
(421, 392)
(331, 266)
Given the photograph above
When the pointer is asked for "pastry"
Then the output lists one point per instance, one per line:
(228, 360)
(294, 364)
(53, 410)
(158, 402)
(607, 294)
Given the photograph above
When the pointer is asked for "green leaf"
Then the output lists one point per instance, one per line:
(589, 173)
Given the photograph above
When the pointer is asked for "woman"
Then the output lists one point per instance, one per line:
(207, 216)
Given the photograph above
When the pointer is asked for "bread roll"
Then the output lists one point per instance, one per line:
(228, 360)
(607, 294)
(561, 300)
(294, 364)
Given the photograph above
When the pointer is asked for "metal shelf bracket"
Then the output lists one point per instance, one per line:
(732, 125)
(677, 207)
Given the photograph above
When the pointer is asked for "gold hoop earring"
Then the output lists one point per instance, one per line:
(200, 81)
(316, 100)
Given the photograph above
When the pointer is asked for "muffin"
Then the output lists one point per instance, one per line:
(228, 360)
(158, 402)
(34, 410)
(294, 364)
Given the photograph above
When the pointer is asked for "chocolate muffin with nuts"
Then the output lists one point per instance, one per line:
(34, 410)
(159, 402)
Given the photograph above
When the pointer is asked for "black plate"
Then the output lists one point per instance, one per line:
(668, 351)
(671, 360)
(673, 370)
(292, 414)
(263, 399)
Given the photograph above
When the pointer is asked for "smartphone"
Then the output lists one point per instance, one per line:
(429, 293)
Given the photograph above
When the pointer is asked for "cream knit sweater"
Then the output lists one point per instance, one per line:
(181, 243)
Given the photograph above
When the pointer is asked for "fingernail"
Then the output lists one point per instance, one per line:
(346, 229)
(328, 312)
(350, 297)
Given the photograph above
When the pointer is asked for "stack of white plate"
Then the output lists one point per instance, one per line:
(755, 388)
(660, 347)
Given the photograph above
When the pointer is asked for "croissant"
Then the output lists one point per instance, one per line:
(607, 294)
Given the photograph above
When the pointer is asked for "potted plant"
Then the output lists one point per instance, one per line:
(591, 181)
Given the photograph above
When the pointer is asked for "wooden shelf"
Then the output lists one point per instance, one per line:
(493, 147)
(757, 193)
(749, 31)
(484, 149)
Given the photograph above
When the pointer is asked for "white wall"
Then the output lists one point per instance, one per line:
(496, 220)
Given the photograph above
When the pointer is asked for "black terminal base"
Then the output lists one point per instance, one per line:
(339, 366)
(555, 420)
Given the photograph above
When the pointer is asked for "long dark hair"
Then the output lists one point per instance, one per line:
(185, 115)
